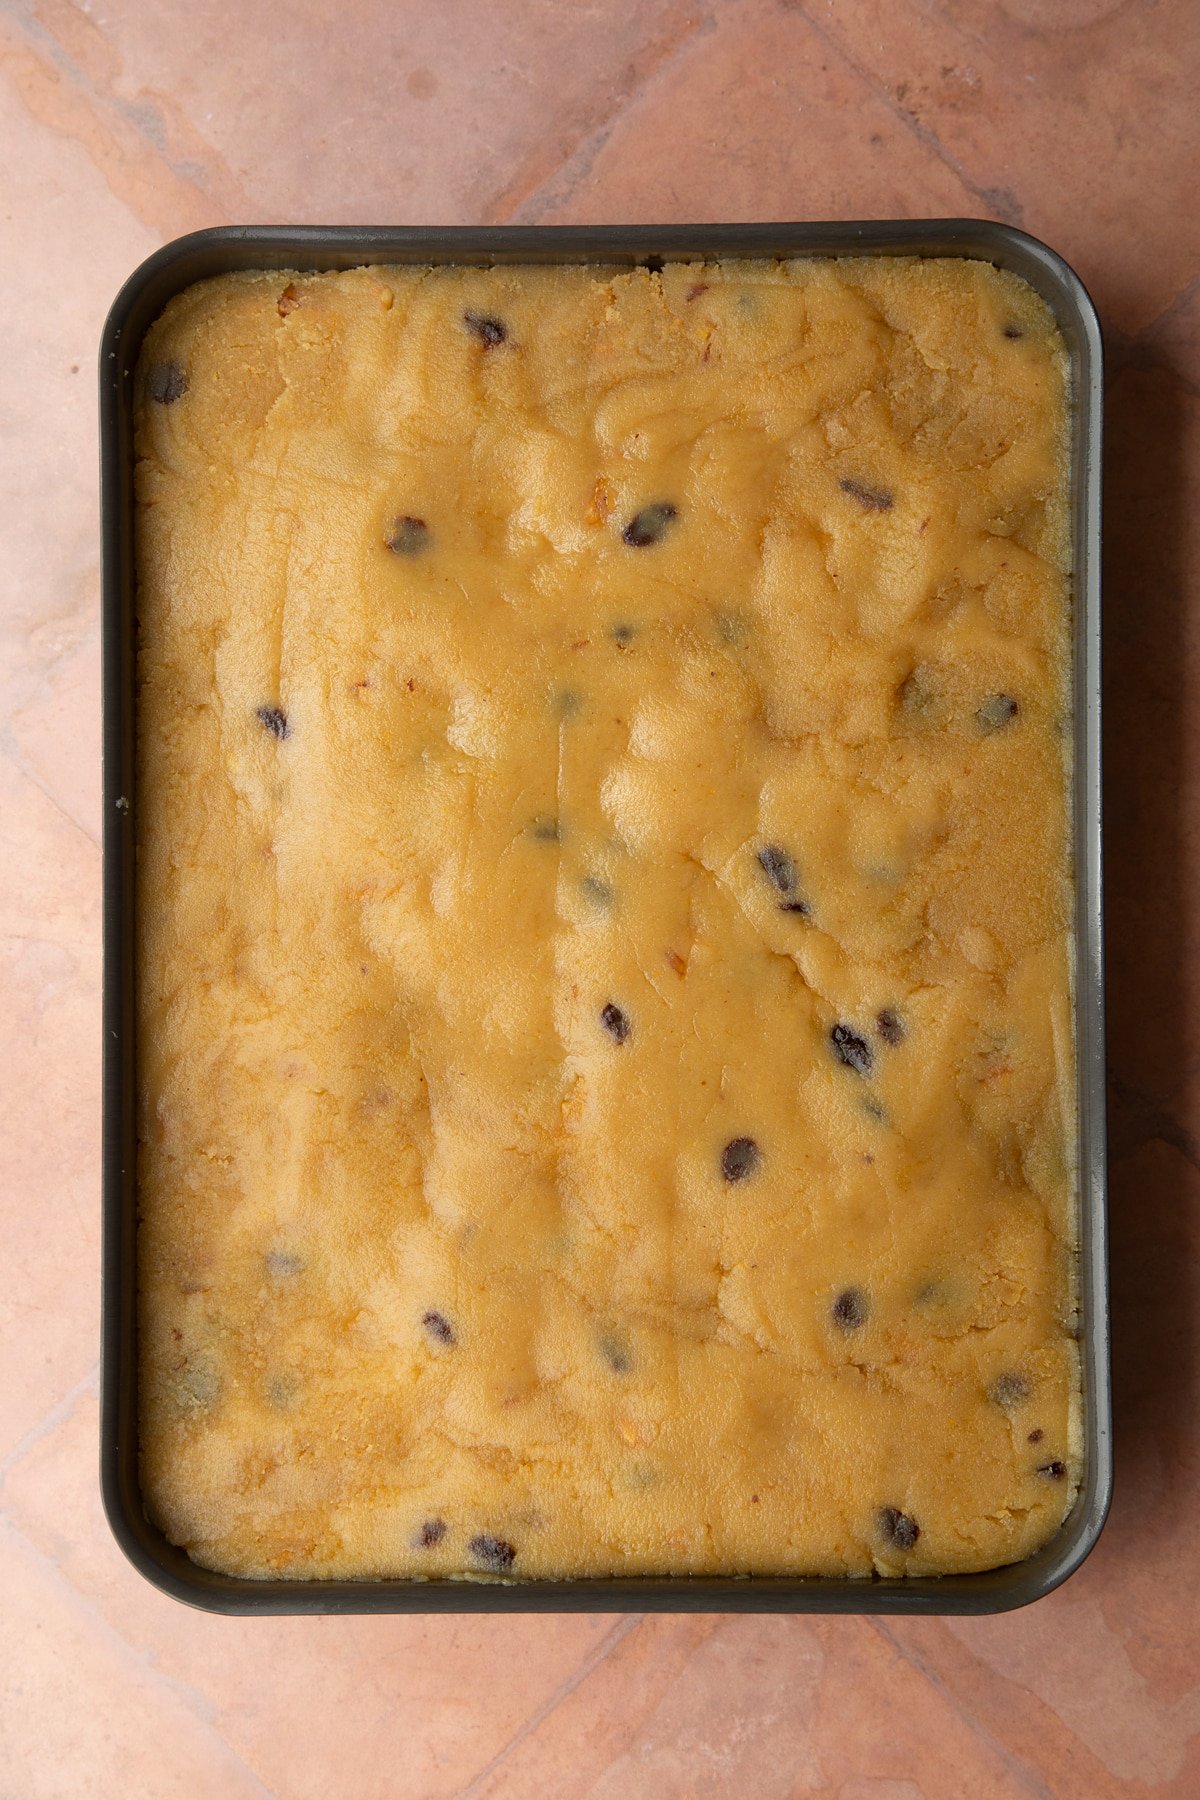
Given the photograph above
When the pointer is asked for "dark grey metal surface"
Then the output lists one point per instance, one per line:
(143, 297)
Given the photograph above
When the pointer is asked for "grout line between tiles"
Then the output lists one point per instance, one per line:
(105, 106)
(576, 164)
(1029, 1780)
(998, 200)
(1175, 305)
(87, 1384)
(27, 774)
(621, 1630)
(192, 1699)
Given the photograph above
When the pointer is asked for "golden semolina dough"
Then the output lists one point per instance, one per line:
(605, 921)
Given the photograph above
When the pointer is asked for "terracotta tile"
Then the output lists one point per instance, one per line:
(65, 246)
(757, 117)
(49, 1149)
(420, 114)
(453, 1691)
(1072, 121)
(1173, 340)
(84, 1714)
(1152, 760)
(687, 1708)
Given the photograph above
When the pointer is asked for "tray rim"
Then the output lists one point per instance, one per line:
(222, 249)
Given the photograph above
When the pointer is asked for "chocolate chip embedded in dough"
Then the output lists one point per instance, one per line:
(740, 1158)
(493, 1553)
(615, 1021)
(167, 382)
(897, 1529)
(851, 1050)
(649, 525)
(486, 327)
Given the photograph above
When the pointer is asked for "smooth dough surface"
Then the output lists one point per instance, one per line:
(604, 917)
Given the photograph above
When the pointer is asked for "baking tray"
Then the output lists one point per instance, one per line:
(310, 248)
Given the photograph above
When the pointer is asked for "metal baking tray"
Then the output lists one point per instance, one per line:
(310, 248)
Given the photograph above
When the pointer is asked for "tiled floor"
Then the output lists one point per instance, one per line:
(125, 122)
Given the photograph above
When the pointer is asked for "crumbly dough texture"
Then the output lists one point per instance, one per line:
(604, 913)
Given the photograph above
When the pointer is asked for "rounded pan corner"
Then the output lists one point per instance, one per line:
(1059, 284)
(148, 277)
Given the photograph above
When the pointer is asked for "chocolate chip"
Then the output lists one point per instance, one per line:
(1009, 1390)
(545, 829)
(899, 1529)
(274, 719)
(284, 1262)
(615, 1353)
(486, 327)
(439, 1328)
(1013, 331)
(796, 906)
(875, 499)
(408, 536)
(647, 526)
(615, 1021)
(778, 867)
(597, 891)
(282, 1391)
(889, 1027)
(432, 1532)
(493, 1552)
(167, 383)
(850, 1310)
(740, 1158)
(1036, 1435)
(653, 264)
(1054, 1471)
(850, 1049)
(997, 712)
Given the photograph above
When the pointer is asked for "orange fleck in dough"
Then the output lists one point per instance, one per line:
(505, 637)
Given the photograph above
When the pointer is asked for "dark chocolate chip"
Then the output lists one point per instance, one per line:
(997, 712)
(167, 383)
(850, 1049)
(1009, 1389)
(282, 1391)
(875, 499)
(408, 536)
(486, 327)
(778, 867)
(796, 906)
(284, 1262)
(1036, 1435)
(889, 1026)
(850, 1310)
(615, 1021)
(545, 829)
(647, 526)
(275, 720)
(899, 1529)
(1054, 1471)
(740, 1158)
(1013, 331)
(615, 1353)
(439, 1328)
(493, 1552)
(597, 891)
(432, 1532)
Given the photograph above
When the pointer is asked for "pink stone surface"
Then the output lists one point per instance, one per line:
(125, 124)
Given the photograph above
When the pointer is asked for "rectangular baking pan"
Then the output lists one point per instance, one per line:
(217, 252)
